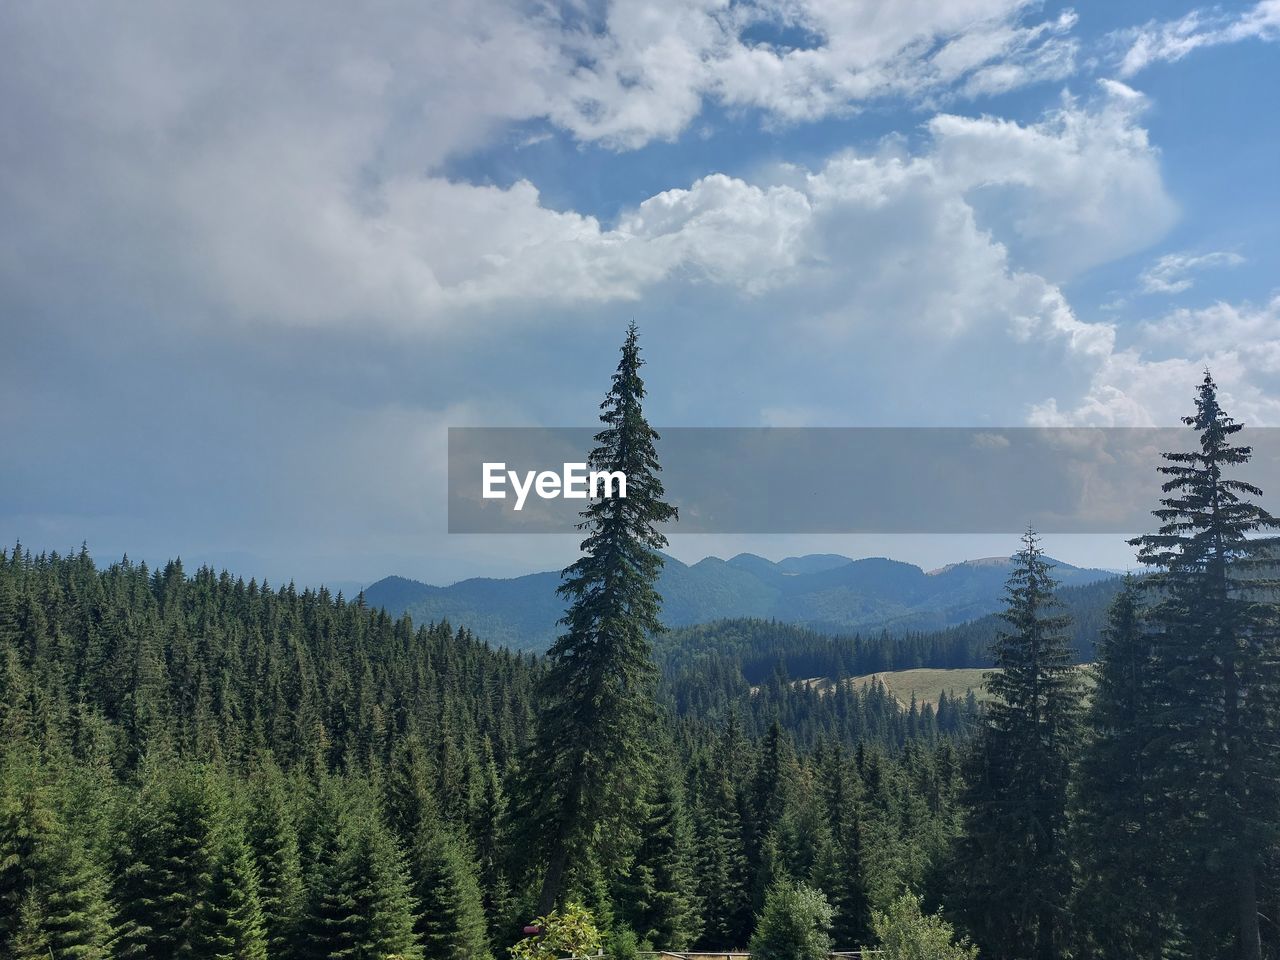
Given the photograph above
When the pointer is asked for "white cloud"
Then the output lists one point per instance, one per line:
(1171, 40)
(1149, 382)
(1171, 273)
(1077, 189)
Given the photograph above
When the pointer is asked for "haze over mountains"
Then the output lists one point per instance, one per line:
(823, 592)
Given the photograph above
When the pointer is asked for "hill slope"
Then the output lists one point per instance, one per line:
(823, 592)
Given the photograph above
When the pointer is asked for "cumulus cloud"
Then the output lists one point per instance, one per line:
(1148, 382)
(1172, 272)
(1170, 40)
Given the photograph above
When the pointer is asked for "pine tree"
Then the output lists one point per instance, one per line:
(186, 883)
(273, 839)
(492, 855)
(1124, 902)
(53, 894)
(359, 902)
(722, 872)
(657, 895)
(590, 746)
(451, 921)
(163, 866)
(1014, 861)
(1216, 649)
(229, 923)
(845, 876)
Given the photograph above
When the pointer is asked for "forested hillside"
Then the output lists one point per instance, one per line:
(193, 766)
(758, 648)
(826, 593)
(181, 741)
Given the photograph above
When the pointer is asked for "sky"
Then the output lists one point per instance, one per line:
(256, 259)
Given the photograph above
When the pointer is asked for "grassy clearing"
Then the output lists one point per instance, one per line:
(928, 683)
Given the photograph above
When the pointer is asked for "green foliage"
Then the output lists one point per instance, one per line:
(622, 945)
(904, 932)
(656, 896)
(794, 925)
(451, 920)
(1124, 901)
(53, 893)
(186, 884)
(598, 693)
(359, 902)
(1215, 626)
(1014, 864)
(567, 931)
(272, 835)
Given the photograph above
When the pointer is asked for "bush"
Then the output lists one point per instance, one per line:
(794, 925)
(907, 934)
(622, 945)
(569, 931)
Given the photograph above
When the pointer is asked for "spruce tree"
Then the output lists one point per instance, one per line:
(359, 902)
(1014, 860)
(845, 876)
(598, 692)
(451, 921)
(657, 896)
(228, 924)
(1216, 650)
(722, 874)
(186, 883)
(273, 839)
(1124, 902)
(53, 893)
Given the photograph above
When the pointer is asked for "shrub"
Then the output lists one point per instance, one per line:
(570, 931)
(907, 934)
(794, 925)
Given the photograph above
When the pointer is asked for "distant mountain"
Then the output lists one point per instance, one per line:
(823, 592)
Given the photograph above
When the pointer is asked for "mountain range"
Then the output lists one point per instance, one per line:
(828, 593)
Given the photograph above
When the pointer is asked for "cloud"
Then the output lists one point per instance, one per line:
(1149, 382)
(1171, 40)
(1079, 188)
(1171, 272)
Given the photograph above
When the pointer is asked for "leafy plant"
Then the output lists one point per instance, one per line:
(569, 931)
(794, 924)
(906, 933)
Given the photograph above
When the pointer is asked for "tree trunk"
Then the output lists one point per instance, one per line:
(553, 879)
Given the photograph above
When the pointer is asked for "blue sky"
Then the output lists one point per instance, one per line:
(254, 262)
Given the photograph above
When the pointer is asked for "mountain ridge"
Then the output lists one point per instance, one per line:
(828, 593)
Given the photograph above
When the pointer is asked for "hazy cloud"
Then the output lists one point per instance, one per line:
(1170, 40)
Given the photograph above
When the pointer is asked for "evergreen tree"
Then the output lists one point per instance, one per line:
(722, 872)
(1216, 649)
(1124, 903)
(598, 692)
(273, 840)
(845, 875)
(359, 903)
(53, 894)
(229, 923)
(186, 883)
(451, 921)
(1014, 860)
(657, 895)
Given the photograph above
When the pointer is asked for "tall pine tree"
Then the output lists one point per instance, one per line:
(1013, 858)
(1216, 650)
(598, 693)
(1124, 902)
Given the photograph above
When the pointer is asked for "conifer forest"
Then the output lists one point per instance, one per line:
(196, 766)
